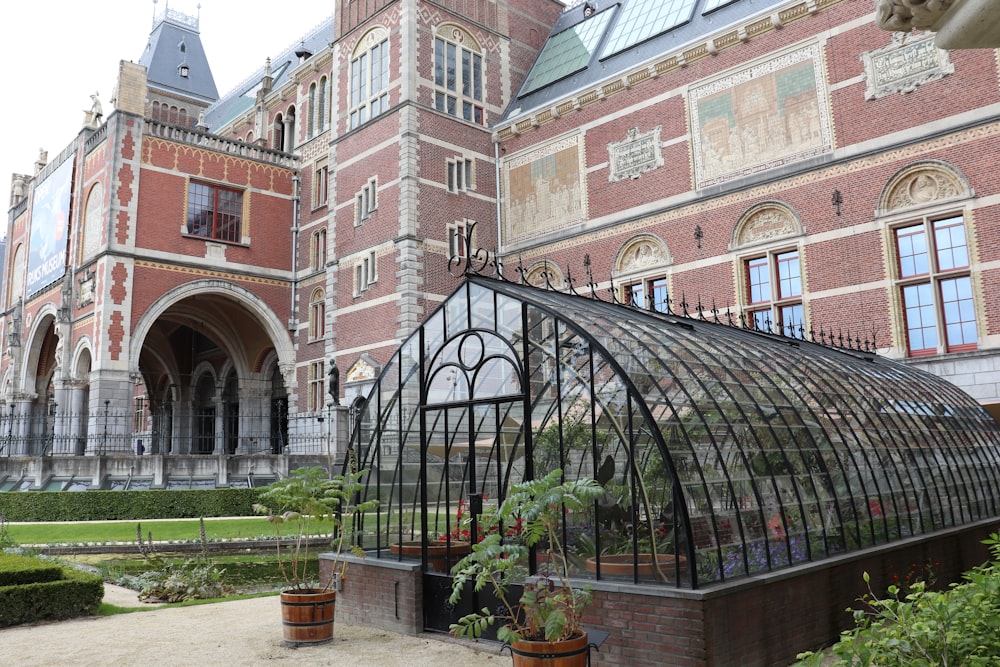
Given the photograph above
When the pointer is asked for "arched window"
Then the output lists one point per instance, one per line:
(458, 74)
(317, 314)
(92, 220)
(322, 112)
(640, 269)
(370, 77)
(934, 289)
(278, 133)
(311, 128)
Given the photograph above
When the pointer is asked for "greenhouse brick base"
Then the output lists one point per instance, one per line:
(761, 620)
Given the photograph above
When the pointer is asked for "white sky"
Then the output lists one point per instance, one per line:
(59, 52)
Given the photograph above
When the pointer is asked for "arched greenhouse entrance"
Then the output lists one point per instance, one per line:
(726, 454)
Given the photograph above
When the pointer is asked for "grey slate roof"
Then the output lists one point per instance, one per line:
(242, 98)
(175, 41)
(618, 36)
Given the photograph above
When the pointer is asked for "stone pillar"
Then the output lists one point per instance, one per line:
(287, 134)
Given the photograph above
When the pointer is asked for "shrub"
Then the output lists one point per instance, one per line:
(127, 505)
(917, 627)
(77, 593)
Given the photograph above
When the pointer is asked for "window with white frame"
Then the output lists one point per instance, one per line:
(365, 274)
(461, 174)
(317, 249)
(458, 75)
(321, 184)
(311, 123)
(317, 314)
(366, 201)
(773, 293)
(458, 239)
(321, 114)
(370, 77)
(317, 390)
(934, 285)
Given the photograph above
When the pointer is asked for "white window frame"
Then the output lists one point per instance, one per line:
(365, 274)
(369, 78)
(366, 201)
(461, 175)
(459, 75)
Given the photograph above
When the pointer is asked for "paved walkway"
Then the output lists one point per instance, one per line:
(239, 632)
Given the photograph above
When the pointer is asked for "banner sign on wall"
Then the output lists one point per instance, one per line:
(49, 226)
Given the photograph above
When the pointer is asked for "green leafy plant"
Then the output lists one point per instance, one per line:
(306, 496)
(195, 579)
(550, 606)
(918, 627)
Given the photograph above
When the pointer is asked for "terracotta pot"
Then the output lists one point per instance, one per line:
(307, 616)
(567, 653)
(622, 565)
(439, 558)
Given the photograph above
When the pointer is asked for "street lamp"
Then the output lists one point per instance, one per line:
(104, 442)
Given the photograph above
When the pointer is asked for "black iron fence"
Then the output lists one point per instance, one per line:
(203, 432)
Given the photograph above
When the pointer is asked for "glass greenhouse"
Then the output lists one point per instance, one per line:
(723, 452)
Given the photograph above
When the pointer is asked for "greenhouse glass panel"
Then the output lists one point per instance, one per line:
(723, 452)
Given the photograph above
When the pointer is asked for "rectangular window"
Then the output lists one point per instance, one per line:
(139, 420)
(317, 376)
(318, 249)
(461, 175)
(774, 294)
(457, 242)
(365, 274)
(639, 294)
(365, 202)
(215, 212)
(321, 185)
(935, 287)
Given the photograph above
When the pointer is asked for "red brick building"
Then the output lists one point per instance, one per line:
(790, 166)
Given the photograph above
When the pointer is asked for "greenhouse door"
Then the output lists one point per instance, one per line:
(469, 450)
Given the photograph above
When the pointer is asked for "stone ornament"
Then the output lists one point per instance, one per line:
(640, 256)
(765, 223)
(634, 155)
(907, 15)
(361, 371)
(903, 65)
(923, 186)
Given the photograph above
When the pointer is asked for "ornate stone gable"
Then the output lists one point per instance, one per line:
(922, 184)
(766, 222)
(903, 65)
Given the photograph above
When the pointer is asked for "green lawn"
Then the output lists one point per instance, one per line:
(162, 530)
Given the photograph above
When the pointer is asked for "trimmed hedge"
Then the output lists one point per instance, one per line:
(78, 593)
(16, 570)
(128, 505)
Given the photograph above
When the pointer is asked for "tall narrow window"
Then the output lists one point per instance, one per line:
(321, 184)
(935, 286)
(458, 240)
(317, 392)
(318, 249)
(774, 293)
(215, 212)
(317, 315)
(365, 202)
(322, 112)
(365, 274)
(458, 75)
(370, 78)
(311, 128)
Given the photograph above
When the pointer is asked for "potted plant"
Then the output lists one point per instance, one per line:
(545, 620)
(308, 496)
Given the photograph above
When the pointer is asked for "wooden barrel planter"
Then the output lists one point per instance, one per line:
(623, 565)
(440, 557)
(307, 616)
(567, 653)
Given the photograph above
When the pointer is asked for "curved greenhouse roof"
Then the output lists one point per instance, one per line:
(724, 452)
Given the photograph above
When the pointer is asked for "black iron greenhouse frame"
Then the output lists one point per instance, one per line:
(724, 452)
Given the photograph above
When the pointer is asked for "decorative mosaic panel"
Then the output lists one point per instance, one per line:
(545, 190)
(903, 65)
(761, 117)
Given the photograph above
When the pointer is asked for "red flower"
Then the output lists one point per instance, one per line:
(777, 528)
(875, 507)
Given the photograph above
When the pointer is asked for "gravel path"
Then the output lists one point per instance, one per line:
(240, 632)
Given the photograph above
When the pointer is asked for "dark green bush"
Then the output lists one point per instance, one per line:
(77, 593)
(129, 505)
(16, 570)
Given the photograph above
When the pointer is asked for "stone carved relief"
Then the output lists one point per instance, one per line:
(85, 290)
(544, 275)
(634, 155)
(640, 256)
(922, 186)
(360, 371)
(905, 15)
(903, 65)
(765, 223)
(762, 117)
